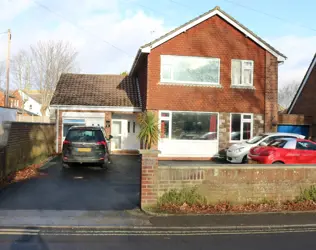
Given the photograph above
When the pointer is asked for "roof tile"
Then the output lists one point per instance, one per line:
(96, 90)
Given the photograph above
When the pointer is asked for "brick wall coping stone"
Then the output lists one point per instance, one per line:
(149, 152)
(240, 166)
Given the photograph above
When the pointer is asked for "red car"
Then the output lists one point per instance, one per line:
(284, 151)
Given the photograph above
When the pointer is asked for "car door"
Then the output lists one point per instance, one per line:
(306, 152)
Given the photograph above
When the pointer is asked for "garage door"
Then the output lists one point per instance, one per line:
(297, 129)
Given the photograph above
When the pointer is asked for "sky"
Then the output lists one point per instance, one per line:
(108, 33)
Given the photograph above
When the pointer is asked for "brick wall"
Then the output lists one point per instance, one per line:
(2, 99)
(291, 119)
(271, 93)
(12, 100)
(149, 173)
(24, 143)
(211, 38)
(236, 184)
(239, 184)
(306, 102)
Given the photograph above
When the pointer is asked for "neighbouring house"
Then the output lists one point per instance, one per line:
(211, 82)
(27, 103)
(12, 99)
(304, 101)
(32, 100)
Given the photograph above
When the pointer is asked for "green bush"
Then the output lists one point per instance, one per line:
(189, 196)
(149, 131)
(307, 194)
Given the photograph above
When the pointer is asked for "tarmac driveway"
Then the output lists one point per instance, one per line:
(78, 188)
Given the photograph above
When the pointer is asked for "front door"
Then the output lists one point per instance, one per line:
(116, 141)
(124, 131)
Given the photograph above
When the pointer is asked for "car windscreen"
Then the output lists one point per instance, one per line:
(84, 135)
(256, 139)
(278, 143)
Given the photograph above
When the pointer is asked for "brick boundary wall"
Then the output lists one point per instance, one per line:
(149, 173)
(24, 143)
(223, 182)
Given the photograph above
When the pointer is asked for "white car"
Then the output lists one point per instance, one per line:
(237, 153)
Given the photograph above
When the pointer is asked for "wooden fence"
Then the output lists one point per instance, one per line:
(37, 119)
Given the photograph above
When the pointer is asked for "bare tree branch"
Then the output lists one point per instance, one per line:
(41, 67)
(287, 93)
(50, 59)
(22, 70)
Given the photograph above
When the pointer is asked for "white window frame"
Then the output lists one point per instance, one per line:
(189, 82)
(242, 120)
(169, 118)
(243, 67)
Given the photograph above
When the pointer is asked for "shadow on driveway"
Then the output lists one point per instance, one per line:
(78, 188)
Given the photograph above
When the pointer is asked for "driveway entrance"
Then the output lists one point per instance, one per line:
(78, 188)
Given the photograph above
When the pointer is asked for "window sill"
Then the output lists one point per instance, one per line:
(242, 87)
(207, 85)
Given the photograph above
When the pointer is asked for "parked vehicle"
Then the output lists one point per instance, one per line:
(85, 144)
(237, 153)
(285, 151)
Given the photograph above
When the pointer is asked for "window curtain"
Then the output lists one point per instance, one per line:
(236, 72)
(213, 123)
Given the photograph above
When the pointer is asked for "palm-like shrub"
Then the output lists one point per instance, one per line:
(149, 131)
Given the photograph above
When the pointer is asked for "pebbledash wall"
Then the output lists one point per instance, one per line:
(224, 128)
(236, 184)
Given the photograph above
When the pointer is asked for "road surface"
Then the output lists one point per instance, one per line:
(278, 241)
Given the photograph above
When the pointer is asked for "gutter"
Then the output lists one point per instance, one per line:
(96, 108)
(135, 62)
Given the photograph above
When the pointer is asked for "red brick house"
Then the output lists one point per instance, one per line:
(304, 101)
(15, 100)
(211, 82)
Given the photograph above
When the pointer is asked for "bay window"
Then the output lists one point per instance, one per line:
(190, 70)
(242, 73)
(241, 127)
(188, 125)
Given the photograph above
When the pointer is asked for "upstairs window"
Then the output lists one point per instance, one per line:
(242, 73)
(189, 70)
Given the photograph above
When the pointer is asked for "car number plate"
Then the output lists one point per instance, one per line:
(84, 150)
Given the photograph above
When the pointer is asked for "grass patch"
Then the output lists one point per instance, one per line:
(307, 194)
(189, 196)
(189, 201)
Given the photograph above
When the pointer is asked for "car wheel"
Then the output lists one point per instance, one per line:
(278, 162)
(245, 159)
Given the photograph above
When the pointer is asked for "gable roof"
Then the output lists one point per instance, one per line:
(34, 94)
(216, 11)
(301, 87)
(96, 90)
